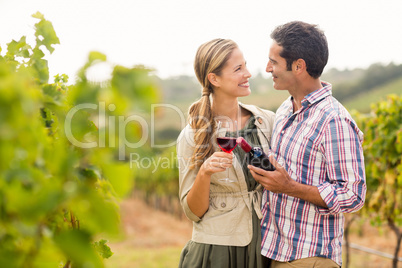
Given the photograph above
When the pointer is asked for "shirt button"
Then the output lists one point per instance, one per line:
(223, 204)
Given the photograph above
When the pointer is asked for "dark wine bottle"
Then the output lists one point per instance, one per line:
(255, 156)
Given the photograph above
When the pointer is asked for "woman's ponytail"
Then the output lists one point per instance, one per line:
(211, 57)
(203, 124)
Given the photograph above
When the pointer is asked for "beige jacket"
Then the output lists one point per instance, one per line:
(228, 220)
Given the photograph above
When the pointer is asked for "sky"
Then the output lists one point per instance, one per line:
(164, 34)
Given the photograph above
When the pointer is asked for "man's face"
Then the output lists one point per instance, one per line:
(282, 78)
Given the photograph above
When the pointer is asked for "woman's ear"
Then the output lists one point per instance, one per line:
(213, 79)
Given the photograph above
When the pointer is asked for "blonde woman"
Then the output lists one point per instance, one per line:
(226, 215)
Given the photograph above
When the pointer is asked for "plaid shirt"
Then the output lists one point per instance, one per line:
(318, 145)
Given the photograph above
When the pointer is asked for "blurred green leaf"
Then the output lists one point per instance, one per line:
(76, 245)
(96, 56)
(135, 84)
(103, 249)
(45, 33)
(18, 49)
(96, 212)
(40, 66)
(120, 176)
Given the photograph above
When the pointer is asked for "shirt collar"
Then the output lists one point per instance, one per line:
(318, 94)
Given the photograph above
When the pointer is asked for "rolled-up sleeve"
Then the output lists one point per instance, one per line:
(185, 149)
(344, 188)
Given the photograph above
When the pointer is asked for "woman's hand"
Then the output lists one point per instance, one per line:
(217, 162)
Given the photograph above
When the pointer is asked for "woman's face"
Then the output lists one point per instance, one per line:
(233, 80)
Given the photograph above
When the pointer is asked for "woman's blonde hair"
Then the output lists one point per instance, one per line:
(211, 57)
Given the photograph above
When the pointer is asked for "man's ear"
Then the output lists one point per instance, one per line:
(299, 65)
(213, 79)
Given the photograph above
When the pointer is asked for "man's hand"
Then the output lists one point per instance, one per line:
(279, 181)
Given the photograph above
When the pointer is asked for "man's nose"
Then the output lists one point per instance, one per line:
(269, 68)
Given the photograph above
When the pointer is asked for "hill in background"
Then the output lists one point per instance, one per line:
(356, 89)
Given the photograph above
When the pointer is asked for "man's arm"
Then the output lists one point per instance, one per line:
(344, 190)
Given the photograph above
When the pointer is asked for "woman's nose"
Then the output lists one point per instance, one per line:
(247, 74)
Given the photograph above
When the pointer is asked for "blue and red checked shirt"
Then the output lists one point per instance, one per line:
(320, 145)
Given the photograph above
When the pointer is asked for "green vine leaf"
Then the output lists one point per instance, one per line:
(103, 250)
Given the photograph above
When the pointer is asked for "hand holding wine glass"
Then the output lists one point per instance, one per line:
(226, 139)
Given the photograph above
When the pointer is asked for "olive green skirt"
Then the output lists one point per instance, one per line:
(198, 255)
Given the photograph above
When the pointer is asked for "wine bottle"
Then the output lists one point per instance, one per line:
(255, 156)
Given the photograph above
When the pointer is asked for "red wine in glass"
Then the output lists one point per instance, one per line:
(227, 144)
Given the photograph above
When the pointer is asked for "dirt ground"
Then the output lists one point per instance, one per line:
(146, 228)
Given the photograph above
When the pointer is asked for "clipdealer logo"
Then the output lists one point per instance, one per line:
(106, 124)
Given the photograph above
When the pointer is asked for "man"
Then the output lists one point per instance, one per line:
(317, 152)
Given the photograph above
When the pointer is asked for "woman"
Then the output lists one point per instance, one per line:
(226, 216)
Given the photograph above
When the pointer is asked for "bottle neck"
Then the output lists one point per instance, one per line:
(244, 144)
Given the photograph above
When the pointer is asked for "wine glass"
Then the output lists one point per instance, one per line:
(226, 139)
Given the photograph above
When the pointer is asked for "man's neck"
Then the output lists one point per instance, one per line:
(302, 90)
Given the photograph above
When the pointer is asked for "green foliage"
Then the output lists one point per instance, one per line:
(383, 150)
(45, 34)
(60, 176)
(103, 249)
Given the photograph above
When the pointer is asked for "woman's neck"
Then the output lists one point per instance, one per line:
(232, 111)
(227, 108)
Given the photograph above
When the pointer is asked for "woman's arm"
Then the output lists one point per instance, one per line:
(194, 184)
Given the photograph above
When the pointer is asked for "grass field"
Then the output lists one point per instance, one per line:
(160, 257)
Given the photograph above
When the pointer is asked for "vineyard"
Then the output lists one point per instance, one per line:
(71, 155)
(64, 155)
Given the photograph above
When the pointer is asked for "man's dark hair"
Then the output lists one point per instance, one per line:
(305, 41)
